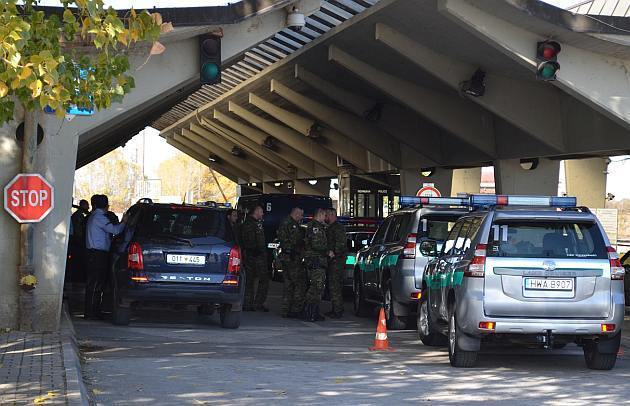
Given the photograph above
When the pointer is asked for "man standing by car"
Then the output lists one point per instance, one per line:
(336, 237)
(291, 238)
(76, 245)
(255, 261)
(316, 254)
(232, 232)
(99, 230)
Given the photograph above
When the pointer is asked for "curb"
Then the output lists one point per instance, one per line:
(77, 394)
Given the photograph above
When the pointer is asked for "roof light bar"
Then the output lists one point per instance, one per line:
(507, 200)
(490, 200)
(433, 201)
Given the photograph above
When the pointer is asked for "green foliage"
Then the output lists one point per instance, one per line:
(78, 58)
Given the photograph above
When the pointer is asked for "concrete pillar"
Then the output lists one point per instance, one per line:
(10, 154)
(321, 188)
(586, 180)
(345, 193)
(511, 178)
(411, 180)
(466, 180)
(55, 160)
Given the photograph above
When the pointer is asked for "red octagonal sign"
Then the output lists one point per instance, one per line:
(29, 198)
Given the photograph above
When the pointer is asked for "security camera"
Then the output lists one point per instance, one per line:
(296, 20)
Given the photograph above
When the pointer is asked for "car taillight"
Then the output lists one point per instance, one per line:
(234, 261)
(409, 252)
(234, 267)
(477, 267)
(617, 272)
(134, 257)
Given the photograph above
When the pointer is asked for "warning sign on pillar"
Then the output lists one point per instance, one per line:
(29, 198)
(428, 191)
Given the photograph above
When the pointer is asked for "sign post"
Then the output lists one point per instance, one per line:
(29, 198)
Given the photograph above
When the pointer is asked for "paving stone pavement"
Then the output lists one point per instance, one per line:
(32, 369)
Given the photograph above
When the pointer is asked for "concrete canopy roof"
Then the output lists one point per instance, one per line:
(428, 24)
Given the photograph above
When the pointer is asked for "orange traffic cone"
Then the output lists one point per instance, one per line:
(380, 340)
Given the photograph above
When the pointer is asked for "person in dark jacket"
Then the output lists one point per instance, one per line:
(255, 261)
(232, 232)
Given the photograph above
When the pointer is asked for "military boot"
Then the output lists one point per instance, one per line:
(317, 315)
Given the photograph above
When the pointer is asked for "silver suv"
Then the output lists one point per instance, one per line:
(388, 271)
(516, 270)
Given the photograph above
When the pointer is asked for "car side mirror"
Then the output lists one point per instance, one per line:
(428, 248)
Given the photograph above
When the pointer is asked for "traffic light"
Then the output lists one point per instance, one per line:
(210, 59)
(547, 60)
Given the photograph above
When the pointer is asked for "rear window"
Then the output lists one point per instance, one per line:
(546, 240)
(183, 222)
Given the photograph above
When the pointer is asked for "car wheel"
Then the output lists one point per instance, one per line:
(361, 308)
(426, 327)
(596, 360)
(394, 322)
(230, 319)
(458, 357)
(121, 315)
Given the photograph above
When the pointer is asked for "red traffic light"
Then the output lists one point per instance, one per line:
(548, 50)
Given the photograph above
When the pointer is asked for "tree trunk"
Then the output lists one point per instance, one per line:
(29, 150)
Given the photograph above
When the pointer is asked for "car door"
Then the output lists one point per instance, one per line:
(392, 248)
(372, 257)
(452, 270)
(435, 277)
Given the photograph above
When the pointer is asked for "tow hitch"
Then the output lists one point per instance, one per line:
(546, 339)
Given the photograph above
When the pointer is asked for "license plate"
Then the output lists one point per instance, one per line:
(549, 284)
(185, 259)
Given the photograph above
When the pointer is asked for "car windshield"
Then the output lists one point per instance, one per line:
(546, 239)
(183, 222)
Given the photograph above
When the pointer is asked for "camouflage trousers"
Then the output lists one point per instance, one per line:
(257, 281)
(294, 286)
(335, 285)
(316, 272)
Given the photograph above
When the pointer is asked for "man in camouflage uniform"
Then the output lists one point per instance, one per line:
(255, 261)
(291, 238)
(316, 254)
(336, 237)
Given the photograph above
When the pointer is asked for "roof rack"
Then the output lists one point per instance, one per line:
(211, 203)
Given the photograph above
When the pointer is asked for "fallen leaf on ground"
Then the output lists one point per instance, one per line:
(338, 380)
(97, 391)
(42, 399)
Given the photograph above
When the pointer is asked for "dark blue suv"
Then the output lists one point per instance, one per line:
(177, 255)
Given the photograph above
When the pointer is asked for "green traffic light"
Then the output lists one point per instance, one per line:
(548, 71)
(209, 71)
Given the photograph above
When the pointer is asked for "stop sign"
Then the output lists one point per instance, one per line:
(29, 198)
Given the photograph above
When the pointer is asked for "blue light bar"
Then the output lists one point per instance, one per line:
(432, 201)
(534, 201)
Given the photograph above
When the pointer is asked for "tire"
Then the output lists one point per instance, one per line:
(121, 315)
(230, 319)
(361, 308)
(426, 326)
(457, 357)
(596, 360)
(394, 322)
